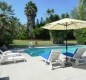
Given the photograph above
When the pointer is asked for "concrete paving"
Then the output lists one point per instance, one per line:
(36, 69)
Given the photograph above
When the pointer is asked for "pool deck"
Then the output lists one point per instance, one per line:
(36, 69)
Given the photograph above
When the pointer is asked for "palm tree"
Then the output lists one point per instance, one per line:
(5, 23)
(64, 15)
(50, 12)
(30, 11)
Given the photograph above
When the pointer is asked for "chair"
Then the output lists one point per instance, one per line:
(9, 53)
(8, 59)
(54, 57)
(77, 57)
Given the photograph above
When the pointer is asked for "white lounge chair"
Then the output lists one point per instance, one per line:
(7, 59)
(9, 53)
(54, 57)
(78, 56)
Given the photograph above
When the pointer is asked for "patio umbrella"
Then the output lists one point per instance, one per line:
(66, 24)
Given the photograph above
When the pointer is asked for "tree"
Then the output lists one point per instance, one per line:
(65, 15)
(55, 36)
(37, 23)
(74, 13)
(5, 23)
(39, 32)
(49, 12)
(30, 11)
(17, 29)
(82, 9)
(52, 18)
(79, 12)
(50, 15)
(6, 9)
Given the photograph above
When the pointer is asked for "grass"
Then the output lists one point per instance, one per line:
(34, 42)
(37, 42)
(71, 42)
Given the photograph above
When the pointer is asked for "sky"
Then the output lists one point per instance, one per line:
(59, 6)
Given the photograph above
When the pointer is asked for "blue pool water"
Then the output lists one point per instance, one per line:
(38, 51)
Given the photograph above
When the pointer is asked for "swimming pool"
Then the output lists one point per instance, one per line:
(37, 51)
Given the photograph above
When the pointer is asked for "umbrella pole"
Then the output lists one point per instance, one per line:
(66, 43)
(67, 63)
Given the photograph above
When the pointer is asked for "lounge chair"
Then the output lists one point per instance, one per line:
(78, 56)
(54, 57)
(7, 59)
(9, 53)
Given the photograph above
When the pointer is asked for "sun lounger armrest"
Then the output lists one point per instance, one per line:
(72, 59)
(7, 51)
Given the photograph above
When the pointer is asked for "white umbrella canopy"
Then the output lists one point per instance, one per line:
(66, 23)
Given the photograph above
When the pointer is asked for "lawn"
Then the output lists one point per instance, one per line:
(37, 42)
(34, 42)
